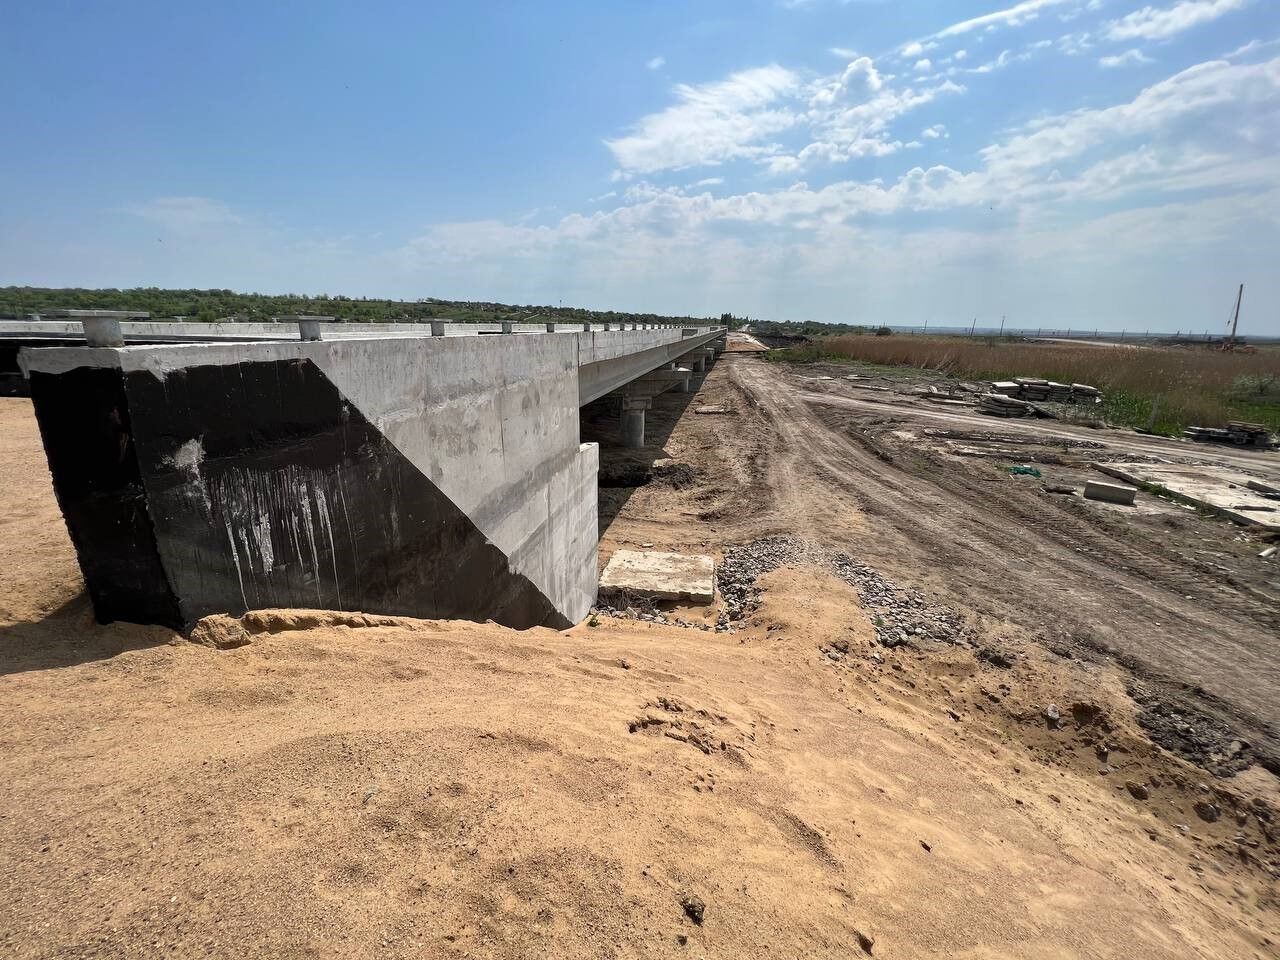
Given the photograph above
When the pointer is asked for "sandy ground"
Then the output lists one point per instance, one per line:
(452, 789)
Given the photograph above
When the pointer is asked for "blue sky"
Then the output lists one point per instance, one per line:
(1064, 162)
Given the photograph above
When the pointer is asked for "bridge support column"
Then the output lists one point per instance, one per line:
(633, 409)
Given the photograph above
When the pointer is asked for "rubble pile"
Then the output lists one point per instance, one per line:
(900, 616)
(1003, 405)
(1237, 431)
(1034, 389)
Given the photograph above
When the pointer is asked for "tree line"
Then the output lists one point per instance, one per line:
(210, 306)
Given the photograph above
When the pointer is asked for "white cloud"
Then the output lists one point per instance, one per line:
(1197, 90)
(1131, 56)
(999, 63)
(936, 132)
(186, 213)
(844, 53)
(1031, 167)
(846, 116)
(960, 54)
(710, 123)
(853, 119)
(1157, 23)
(1074, 44)
(923, 66)
(657, 63)
(1014, 16)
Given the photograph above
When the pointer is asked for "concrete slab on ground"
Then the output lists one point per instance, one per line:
(663, 576)
(1110, 492)
(1221, 490)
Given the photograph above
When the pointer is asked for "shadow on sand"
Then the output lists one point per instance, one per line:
(69, 636)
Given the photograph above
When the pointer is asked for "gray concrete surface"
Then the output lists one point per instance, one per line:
(662, 576)
(491, 422)
(1224, 492)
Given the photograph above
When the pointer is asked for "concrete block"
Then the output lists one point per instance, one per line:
(663, 576)
(1109, 492)
(102, 332)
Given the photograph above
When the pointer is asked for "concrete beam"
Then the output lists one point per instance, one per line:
(666, 379)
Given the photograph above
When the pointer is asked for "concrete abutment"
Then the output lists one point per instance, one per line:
(431, 476)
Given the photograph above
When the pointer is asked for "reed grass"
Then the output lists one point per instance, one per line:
(1164, 388)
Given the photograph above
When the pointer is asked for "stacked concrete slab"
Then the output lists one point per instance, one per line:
(426, 476)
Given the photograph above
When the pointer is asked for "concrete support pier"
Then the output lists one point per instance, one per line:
(633, 409)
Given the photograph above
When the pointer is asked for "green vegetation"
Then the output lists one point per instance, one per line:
(772, 328)
(209, 306)
(809, 353)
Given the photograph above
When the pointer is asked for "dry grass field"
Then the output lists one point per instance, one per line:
(1184, 385)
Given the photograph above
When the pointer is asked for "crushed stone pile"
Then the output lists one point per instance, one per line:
(900, 616)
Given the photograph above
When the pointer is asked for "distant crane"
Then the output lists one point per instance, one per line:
(1230, 342)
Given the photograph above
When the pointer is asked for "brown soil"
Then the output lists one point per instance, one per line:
(312, 784)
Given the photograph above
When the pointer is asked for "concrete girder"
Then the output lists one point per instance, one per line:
(666, 379)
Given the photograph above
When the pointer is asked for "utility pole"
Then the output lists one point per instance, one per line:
(973, 326)
(1002, 324)
(926, 326)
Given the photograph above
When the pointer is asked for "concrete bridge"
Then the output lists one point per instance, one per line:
(431, 470)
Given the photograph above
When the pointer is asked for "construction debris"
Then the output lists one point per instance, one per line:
(1214, 489)
(1237, 431)
(661, 576)
(1110, 492)
(712, 410)
(1032, 388)
(1001, 405)
(1035, 388)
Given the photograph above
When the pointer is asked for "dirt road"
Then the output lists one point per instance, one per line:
(1061, 570)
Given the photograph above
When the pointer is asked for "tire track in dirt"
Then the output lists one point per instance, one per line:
(1003, 553)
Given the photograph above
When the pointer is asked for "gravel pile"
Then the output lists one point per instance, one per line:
(900, 616)
(645, 611)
